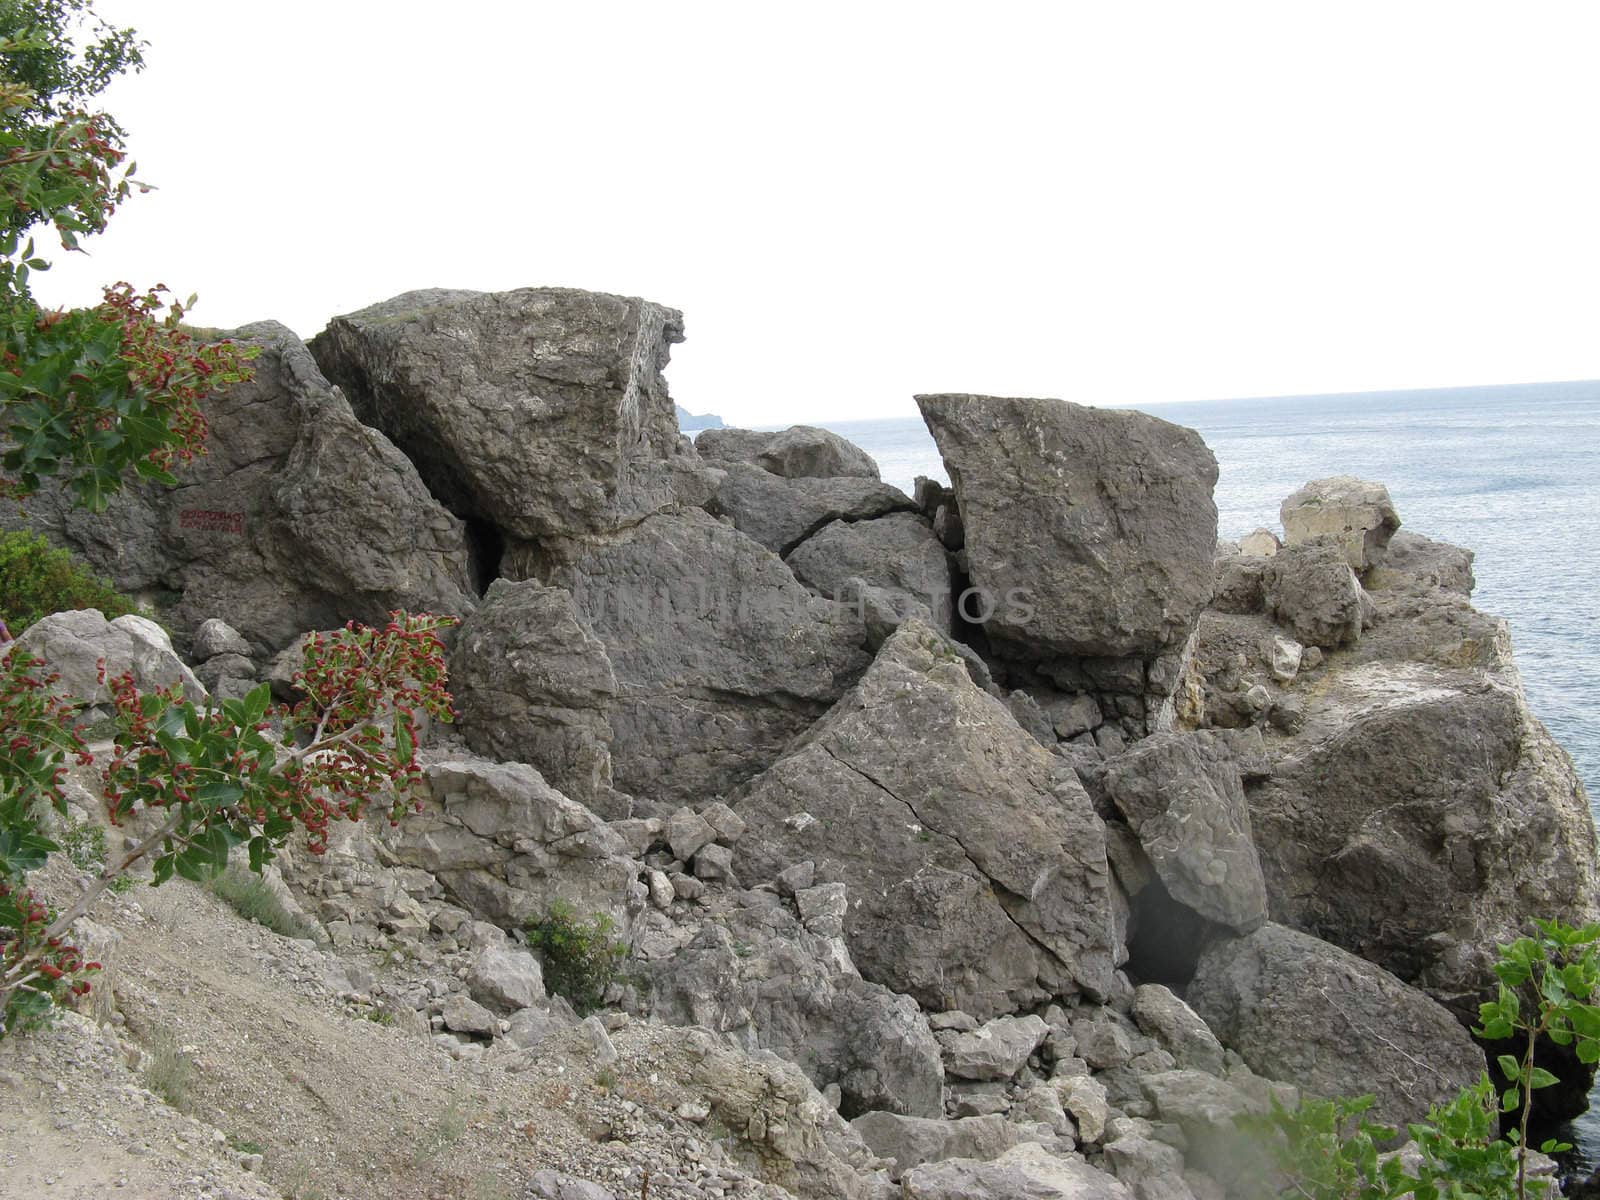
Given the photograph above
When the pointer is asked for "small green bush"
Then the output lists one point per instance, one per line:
(249, 896)
(580, 957)
(36, 580)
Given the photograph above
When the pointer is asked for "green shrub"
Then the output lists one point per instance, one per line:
(580, 957)
(249, 896)
(36, 580)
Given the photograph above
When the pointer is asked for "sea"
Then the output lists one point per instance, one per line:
(1512, 473)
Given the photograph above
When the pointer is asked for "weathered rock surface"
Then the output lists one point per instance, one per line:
(1310, 587)
(505, 844)
(1418, 818)
(1302, 1010)
(720, 655)
(541, 411)
(897, 553)
(912, 1141)
(77, 642)
(998, 1049)
(1354, 514)
(781, 513)
(1104, 518)
(297, 517)
(758, 974)
(976, 868)
(799, 452)
(1178, 1028)
(1027, 1172)
(1184, 800)
(1428, 563)
(532, 684)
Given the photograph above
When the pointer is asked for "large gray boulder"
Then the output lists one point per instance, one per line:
(1103, 518)
(297, 516)
(898, 554)
(1304, 1011)
(532, 684)
(541, 411)
(975, 863)
(1311, 589)
(1418, 818)
(83, 649)
(720, 655)
(1183, 798)
(781, 513)
(799, 452)
(1354, 514)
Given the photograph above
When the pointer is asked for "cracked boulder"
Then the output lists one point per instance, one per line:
(720, 655)
(897, 554)
(975, 864)
(781, 513)
(532, 684)
(541, 411)
(1299, 1009)
(1104, 519)
(297, 517)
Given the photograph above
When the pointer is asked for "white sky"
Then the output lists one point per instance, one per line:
(1111, 203)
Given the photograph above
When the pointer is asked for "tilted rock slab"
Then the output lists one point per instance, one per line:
(297, 516)
(1104, 518)
(532, 684)
(541, 410)
(1026, 1172)
(898, 554)
(721, 656)
(1301, 1010)
(1185, 801)
(976, 869)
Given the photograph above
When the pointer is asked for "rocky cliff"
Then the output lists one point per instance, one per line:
(1044, 834)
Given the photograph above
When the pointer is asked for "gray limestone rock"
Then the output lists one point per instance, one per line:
(912, 1141)
(297, 516)
(975, 862)
(1104, 519)
(1183, 798)
(532, 684)
(799, 452)
(897, 554)
(506, 979)
(1178, 1027)
(1356, 515)
(758, 975)
(781, 513)
(541, 410)
(216, 637)
(1300, 1009)
(1428, 563)
(1310, 588)
(505, 844)
(720, 655)
(1026, 1172)
(77, 642)
(997, 1049)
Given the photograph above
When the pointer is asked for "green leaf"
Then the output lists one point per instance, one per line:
(1509, 1067)
(1540, 1078)
(219, 794)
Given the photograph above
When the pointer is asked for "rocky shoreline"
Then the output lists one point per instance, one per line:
(1036, 832)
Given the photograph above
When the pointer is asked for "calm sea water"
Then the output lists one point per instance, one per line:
(1512, 473)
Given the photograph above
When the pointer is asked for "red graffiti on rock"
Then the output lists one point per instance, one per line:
(205, 520)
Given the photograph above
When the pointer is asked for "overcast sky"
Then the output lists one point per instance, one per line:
(1110, 203)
